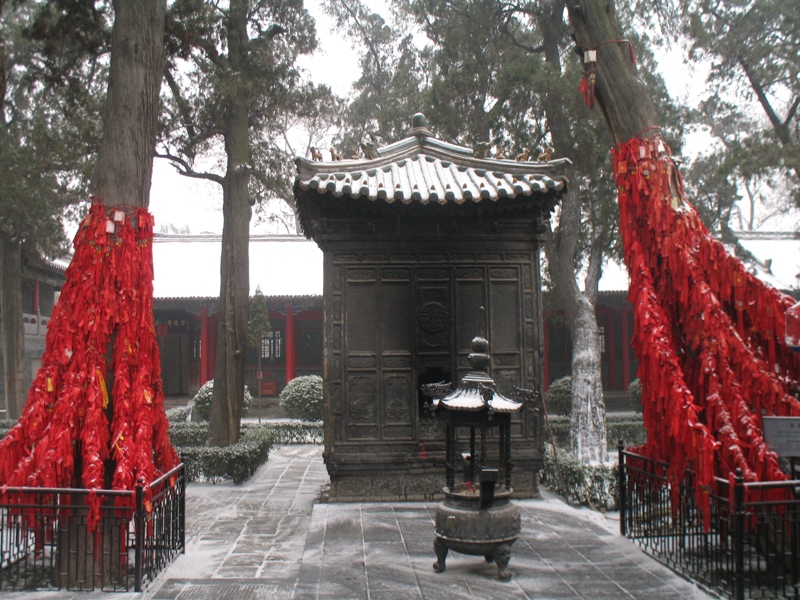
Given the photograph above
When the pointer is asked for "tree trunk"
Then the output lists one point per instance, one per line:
(231, 362)
(621, 94)
(122, 178)
(14, 380)
(125, 163)
(588, 439)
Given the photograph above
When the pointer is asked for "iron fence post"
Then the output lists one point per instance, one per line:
(738, 535)
(622, 490)
(182, 508)
(138, 517)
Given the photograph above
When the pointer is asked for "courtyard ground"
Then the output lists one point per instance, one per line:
(271, 538)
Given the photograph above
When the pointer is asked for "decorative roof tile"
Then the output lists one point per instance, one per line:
(422, 169)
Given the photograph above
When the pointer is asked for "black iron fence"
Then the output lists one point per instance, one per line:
(748, 548)
(47, 542)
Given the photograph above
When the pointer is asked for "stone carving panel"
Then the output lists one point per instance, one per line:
(361, 274)
(394, 432)
(362, 398)
(506, 360)
(506, 380)
(503, 273)
(395, 274)
(336, 397)
(396, 362)
(432, 274)
(337, 337)
(360, 362)
(354, 432)
(397, 398)
(337, 279)
(470, 273)
(336, 309)
(433, 317)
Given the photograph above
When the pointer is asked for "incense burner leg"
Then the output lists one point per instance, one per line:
(441, 554)
(502, 555)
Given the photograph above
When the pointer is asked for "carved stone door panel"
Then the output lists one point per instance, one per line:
(361, 313)
(395, 344)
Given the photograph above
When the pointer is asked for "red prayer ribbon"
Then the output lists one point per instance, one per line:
(106, 303)
(708, 334)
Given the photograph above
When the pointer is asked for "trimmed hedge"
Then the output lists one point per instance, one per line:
(180, 414)
(237, 462)
(205, 395)
(302, 398)
(558, 397)
(296, 432)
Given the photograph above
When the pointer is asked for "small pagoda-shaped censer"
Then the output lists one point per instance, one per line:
(477, 516)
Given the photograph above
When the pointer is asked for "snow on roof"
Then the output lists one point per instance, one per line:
(777, 255)
(188, 266)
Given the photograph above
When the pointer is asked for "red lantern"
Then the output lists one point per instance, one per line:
(793, 327)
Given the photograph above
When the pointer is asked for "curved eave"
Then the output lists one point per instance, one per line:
(471, 400)
(430, 178)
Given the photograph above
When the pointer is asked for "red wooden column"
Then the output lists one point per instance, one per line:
(626, 346)
(291, 346)
(204, 354)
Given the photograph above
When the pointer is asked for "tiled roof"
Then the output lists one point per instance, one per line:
(422, 169)
(471, 399)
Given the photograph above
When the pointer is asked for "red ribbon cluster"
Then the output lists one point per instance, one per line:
(102, 326)
(709, 335)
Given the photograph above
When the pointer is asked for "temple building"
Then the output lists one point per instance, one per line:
(417, 243)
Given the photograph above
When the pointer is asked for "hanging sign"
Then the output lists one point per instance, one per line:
(782, 435)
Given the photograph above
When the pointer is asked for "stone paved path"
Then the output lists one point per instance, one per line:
(271, 539)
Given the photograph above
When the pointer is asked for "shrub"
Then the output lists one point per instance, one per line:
(558, 399)
(582, 484)
(180, 414)
(204, 396)
(293, 432)
(635, 390)
(237, 462)
(188, 434)
(302, 398)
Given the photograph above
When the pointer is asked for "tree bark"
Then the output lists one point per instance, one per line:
(14, 380)
(231, 361)
(124, 168)
(621, 94)
(588, 423)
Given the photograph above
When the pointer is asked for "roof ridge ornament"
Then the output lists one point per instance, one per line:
(419, 126)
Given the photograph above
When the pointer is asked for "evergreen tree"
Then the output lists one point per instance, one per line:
(51, 89)
(234, 87)
(755, 84)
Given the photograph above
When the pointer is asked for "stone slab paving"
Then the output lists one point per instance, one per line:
(271, 539)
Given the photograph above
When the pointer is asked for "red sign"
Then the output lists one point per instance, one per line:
(793, 327)
(268, 388)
